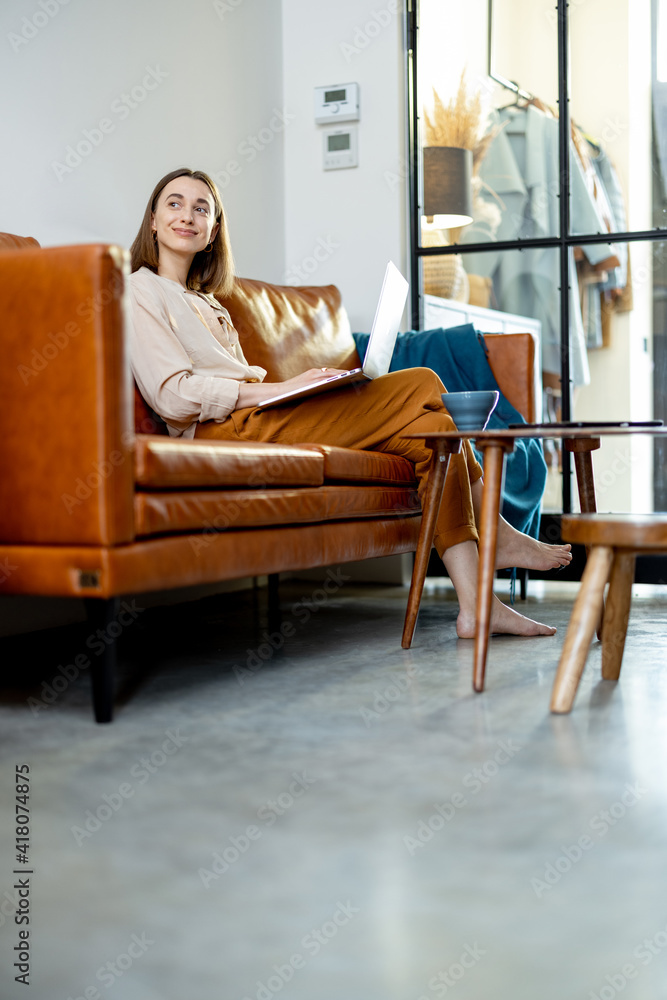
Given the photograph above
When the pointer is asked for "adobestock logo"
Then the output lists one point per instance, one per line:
(600, 824)
(222, 7)
(238, 845)
(108, 973)
(444, 812)
(321, 252)
(31, 26)
(365, 34)
(250, 147)
(115, 800)
(122, 106)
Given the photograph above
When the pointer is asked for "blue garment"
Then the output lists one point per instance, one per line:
(458, 356)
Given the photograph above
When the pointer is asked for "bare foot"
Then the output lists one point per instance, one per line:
(517, 549)
(503, 620)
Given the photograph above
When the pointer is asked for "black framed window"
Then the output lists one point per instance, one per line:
(581, 87)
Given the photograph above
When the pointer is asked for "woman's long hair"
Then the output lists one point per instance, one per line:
(209, 272)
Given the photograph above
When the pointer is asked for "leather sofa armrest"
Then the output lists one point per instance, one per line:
(66, 424)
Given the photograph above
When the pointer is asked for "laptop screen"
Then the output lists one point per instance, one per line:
(386, 323)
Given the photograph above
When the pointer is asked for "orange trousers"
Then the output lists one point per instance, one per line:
(374, 416)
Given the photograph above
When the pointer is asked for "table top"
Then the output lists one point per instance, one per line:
(548, 431)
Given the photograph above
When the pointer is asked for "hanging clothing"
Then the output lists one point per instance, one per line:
(521, 170)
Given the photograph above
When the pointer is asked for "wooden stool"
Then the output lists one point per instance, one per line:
(613, 542)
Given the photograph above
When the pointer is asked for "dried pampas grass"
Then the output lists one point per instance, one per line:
(460, 123)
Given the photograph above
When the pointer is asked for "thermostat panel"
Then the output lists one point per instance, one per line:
(338, 103)
(340, 147)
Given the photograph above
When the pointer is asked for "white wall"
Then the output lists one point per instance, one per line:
(356, 216)
(216, 81)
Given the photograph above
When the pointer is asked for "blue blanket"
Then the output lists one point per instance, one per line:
(458, 356)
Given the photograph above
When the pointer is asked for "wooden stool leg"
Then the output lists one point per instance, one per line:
(431, 506)
(583, 622)
(616, 614)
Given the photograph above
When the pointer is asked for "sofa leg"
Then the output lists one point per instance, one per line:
(274, 601)
(101, 613)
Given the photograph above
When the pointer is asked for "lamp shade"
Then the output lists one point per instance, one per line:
(447, 185)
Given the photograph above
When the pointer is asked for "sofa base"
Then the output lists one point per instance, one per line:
(161, 563)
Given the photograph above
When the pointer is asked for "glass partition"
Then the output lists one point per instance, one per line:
(519, 60)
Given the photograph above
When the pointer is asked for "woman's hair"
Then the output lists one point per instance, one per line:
(209, 272)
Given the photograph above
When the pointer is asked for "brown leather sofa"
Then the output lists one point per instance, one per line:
(98, 502)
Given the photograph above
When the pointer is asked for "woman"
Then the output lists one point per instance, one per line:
(190, 368)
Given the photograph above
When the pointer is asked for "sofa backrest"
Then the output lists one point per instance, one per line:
(8, 241)
(288, 329)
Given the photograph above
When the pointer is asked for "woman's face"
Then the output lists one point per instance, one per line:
(184, 217)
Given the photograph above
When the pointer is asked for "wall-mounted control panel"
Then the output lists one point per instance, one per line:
(338, 103)
(340, 147)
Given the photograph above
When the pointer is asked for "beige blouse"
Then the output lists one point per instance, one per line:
(185, 353)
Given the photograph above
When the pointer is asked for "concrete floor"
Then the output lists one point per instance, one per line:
(298, 807)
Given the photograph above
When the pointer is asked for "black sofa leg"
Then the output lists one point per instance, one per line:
(275, 619)
(101, 613)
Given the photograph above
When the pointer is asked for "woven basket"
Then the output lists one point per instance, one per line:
(443, 276)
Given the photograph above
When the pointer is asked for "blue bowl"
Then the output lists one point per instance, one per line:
(470, 411)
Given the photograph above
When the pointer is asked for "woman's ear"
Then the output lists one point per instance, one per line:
(214, 231)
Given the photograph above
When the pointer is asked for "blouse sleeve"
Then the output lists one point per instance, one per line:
(164, 371)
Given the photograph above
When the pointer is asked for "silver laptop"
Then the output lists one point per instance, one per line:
(380, 345)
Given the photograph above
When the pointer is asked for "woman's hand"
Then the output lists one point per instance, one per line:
(312, 375)
(253, 393)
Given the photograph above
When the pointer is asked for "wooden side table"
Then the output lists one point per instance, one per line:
(494, 444)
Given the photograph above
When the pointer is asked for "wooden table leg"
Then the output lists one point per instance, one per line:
(583, 464)
(494, 454)
(430, 507)
(581, 448)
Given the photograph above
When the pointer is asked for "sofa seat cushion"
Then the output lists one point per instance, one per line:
(355, 465)
(217, 510)
(166, 463)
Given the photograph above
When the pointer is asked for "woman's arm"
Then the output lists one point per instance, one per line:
(165, 373)
(254, 393)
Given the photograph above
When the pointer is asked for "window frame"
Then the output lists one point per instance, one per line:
(563, 242)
